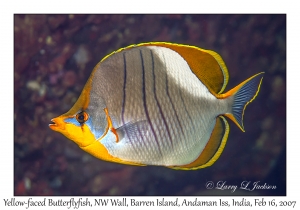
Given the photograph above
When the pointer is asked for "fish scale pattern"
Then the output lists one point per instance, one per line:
(154, 78)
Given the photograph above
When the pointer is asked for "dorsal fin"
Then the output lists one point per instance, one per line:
(207, 65)
(213, 148)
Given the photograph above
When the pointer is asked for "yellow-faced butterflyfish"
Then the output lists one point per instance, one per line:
(157, 103)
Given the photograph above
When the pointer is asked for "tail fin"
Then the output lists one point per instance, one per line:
(243, 94)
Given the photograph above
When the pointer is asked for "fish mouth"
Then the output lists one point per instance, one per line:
(57, 124)
(53, 124)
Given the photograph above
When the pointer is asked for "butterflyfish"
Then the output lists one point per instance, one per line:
(158, 104)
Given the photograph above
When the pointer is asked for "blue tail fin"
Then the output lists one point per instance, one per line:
(243, 94)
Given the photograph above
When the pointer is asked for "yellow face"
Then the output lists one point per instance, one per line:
(86, 129)
(74, 123)
(77, 125)
(78, 132)
(82, 135)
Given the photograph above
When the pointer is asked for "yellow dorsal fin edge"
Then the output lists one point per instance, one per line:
(223, 68)
(207, 65)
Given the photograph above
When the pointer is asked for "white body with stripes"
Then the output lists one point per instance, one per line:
(163, 113)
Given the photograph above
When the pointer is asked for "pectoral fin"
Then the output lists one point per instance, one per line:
(132, 129)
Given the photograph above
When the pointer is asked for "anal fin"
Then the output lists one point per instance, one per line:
(213, 148)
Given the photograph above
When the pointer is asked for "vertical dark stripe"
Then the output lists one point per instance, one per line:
(170, 99)
(123, 103)
(157, 102)
(186, 109)
(145, 104)
(124, 88)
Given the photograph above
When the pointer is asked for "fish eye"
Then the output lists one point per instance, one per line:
(82, 117)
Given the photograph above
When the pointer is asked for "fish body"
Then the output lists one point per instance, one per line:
(157, 104)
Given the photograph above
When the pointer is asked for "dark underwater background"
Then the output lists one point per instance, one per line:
(55, 54)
